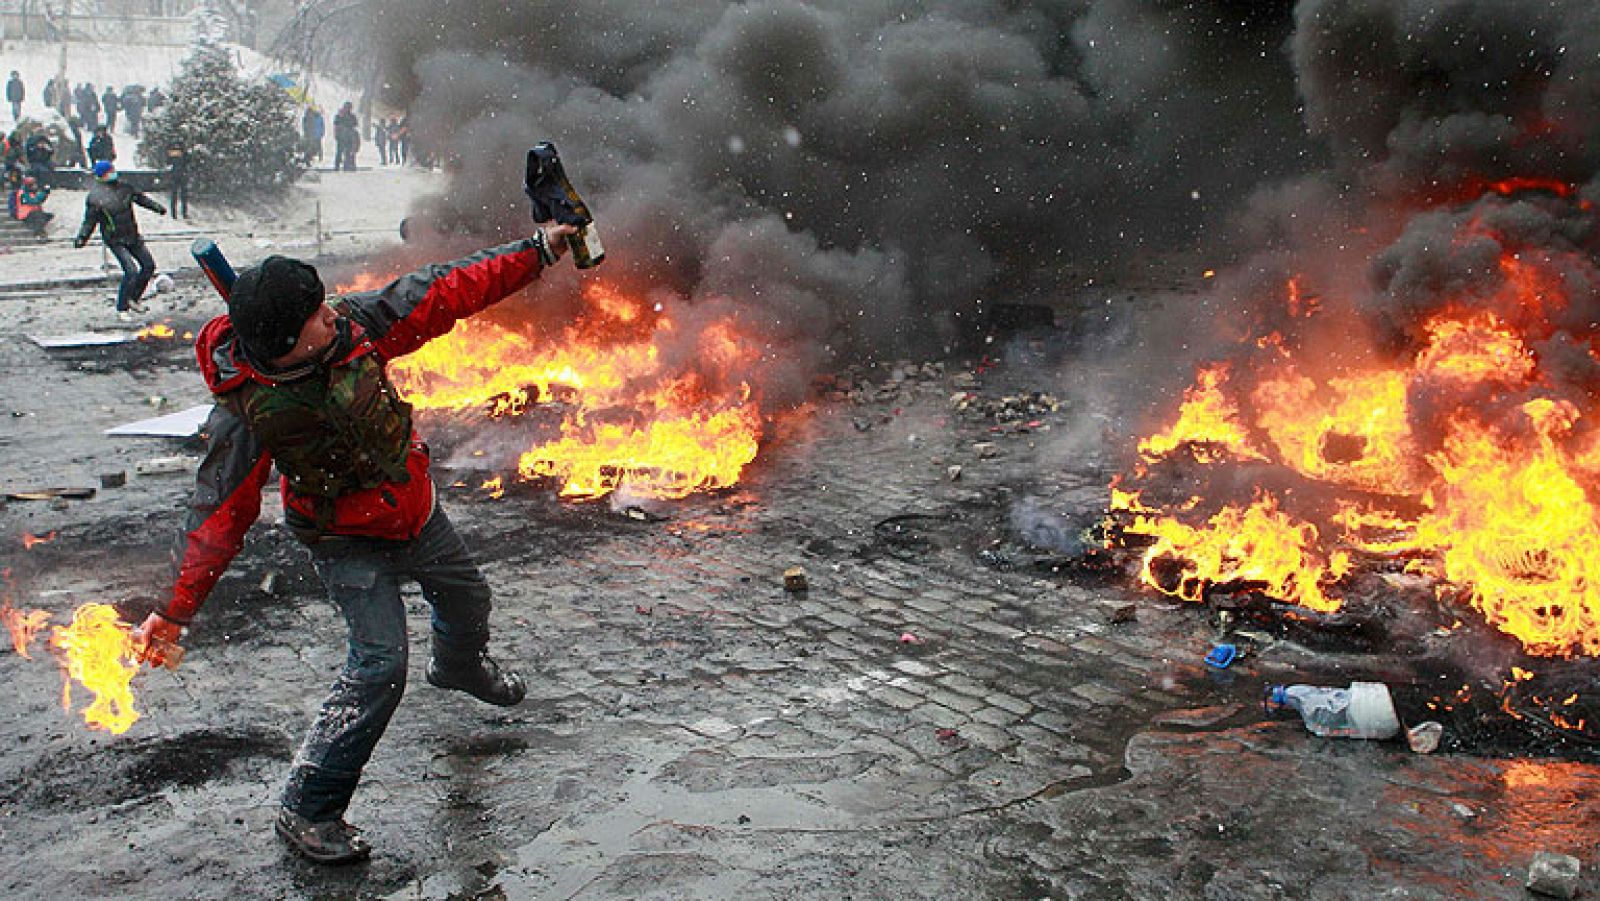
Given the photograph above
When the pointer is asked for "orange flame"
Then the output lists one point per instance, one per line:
(100, 657)
(672, 457)
(1500, 503)
(1208, 423)
(29, 541)
(24, 626)
(628, 419)
(1352, 430)
(1514, 525)
(155, 331)
(1258, 544)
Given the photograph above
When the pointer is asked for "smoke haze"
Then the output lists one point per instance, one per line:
(857, 177)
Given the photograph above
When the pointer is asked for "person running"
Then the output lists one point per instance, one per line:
(109, 208)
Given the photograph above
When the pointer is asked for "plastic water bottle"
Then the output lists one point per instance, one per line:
(1364, 710)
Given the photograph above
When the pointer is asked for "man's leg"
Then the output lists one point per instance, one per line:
(130, 274)
(147, 270)
(454, 586)
(364, 585)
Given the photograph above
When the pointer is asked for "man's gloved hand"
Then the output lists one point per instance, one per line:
(156, 641)
(80, 243)
(552, 241)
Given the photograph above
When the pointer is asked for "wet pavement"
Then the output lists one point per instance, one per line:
(945, 712)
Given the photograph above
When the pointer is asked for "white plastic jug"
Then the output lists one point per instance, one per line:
(1364, 710)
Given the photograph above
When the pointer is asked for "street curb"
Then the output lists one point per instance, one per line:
(76, 281)
(95, 281)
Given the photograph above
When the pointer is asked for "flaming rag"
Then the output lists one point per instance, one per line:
(356, 489)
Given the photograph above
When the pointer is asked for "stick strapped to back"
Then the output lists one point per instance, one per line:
(216, 267)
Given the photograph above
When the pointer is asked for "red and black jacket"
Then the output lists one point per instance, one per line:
(391, 322)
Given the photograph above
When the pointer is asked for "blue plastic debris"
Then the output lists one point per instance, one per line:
(1222, 656)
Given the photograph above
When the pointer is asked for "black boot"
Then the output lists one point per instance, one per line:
(333, 842)
(478, 675)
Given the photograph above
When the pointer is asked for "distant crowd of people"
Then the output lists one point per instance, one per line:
(33, 149)
(97, 114)
(37, 145)
(390, 136)
(91, 107)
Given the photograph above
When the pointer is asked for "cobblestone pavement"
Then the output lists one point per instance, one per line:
(937, 716)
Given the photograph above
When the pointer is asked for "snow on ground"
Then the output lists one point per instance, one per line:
(360, 214)
(123, 64)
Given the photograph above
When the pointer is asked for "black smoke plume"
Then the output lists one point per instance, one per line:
(855, 177)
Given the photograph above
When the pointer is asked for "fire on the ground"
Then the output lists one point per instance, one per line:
(630, 419)
(1467, 454)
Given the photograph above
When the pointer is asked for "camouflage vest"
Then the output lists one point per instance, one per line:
(339, 431)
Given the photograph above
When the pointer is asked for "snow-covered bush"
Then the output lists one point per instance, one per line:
(240, 136)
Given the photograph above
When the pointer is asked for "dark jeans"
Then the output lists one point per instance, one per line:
(137, 268)
(363, 577)
(178, 198)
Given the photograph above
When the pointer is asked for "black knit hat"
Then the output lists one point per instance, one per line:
(271, 303)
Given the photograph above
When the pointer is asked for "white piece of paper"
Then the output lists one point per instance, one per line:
(181, 424)
(80, 339)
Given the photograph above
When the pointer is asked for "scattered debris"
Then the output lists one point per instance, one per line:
(1222, 656)
(158, 466)
(80, 339)
(996, 560)
(30, 540)
(1364, 710)
(794, 580)
(986, 450)
(1127, 613)
(50, 494)
(1554, 875)
(272, 581)
(637, 513)
(886, 384)
(1424, 737)
(954, 473)
(181, 424)
(948, 736)
(114, 479)
(1198, 717)
(909, 638)
(1010, 408)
